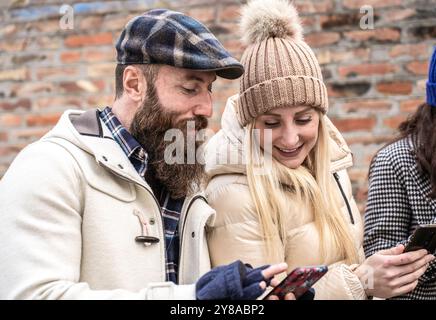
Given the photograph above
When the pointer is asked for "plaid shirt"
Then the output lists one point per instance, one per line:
(170, 208)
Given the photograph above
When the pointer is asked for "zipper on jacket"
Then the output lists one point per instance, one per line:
(335, 174)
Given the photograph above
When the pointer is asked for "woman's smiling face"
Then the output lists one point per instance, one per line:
(294, 133)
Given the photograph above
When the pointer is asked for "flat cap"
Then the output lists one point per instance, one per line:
(162, 36)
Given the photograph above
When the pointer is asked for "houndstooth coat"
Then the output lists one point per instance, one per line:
(397, 204)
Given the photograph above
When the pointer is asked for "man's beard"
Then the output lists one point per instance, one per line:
(148, 127)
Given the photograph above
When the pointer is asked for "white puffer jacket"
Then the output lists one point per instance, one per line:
(236, 233)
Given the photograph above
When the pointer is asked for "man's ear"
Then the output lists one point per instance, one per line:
(134, 83)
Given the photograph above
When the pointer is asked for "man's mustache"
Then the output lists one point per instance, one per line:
(201, 122)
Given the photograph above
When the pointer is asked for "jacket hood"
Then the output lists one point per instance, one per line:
(225, 151)
(86, 131)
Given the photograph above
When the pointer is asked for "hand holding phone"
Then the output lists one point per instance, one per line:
(424, 237)
(298, 281)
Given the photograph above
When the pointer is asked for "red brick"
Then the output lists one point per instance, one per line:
(51, 73)
(357, 4)
(304, 6)
(421, 86)
(82, 86)
(28, 58)
(229, 12)
(418, 67)
(116, 22)
(91, 23)
(46, 26)
(22, 103)
(368, 139)
(370, 105)
(8, 30)
(10, 120)
(327, 56)
(398, 87)
(358, 174)
(101, 70)
(398, 15)
(13, 45)
(47, 43)
(14, 74)
(7, 151)
(361, 194)
(354, 124)
(339, 20)
(99, 55)
(31, 88)
(70, 56)
(42, 119)
(99, 100)
(89, 40)
(63, 102)
(394, 122)
(366, 69)
(410, 105)
(382, 34)
(29, 134)
(320, 39)
(308, 21)
(413, 50)
(3, 136)
(234, 46)
(348, 89)
(204, 14)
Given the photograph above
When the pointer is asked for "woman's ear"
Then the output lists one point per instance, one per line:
(134, 83)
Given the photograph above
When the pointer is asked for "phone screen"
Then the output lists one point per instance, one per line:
(299, 281)
(424, 237)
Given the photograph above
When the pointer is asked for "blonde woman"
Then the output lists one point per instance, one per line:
(284, 194)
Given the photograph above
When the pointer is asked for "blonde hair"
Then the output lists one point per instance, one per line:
(311, 184)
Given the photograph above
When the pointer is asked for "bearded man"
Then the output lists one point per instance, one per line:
(93, 210)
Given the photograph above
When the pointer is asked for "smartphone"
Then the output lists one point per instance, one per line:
(424, 237)
(298, 281)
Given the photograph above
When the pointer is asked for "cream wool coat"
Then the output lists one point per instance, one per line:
(70, 206)
(236, 233)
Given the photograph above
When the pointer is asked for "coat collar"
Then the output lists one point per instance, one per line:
(99, 142)
(92, 135)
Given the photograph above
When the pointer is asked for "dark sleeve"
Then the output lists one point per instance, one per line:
(388, 213)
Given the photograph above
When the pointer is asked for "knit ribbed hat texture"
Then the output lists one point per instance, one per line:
(280, 68)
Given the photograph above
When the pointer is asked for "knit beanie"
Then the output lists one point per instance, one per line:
(431, 83)
(280, 68)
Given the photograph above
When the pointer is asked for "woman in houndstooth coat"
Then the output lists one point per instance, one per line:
(402, 187)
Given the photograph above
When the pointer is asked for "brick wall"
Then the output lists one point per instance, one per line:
(375, 77)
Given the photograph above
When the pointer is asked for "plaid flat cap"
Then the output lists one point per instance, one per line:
(162, 36)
